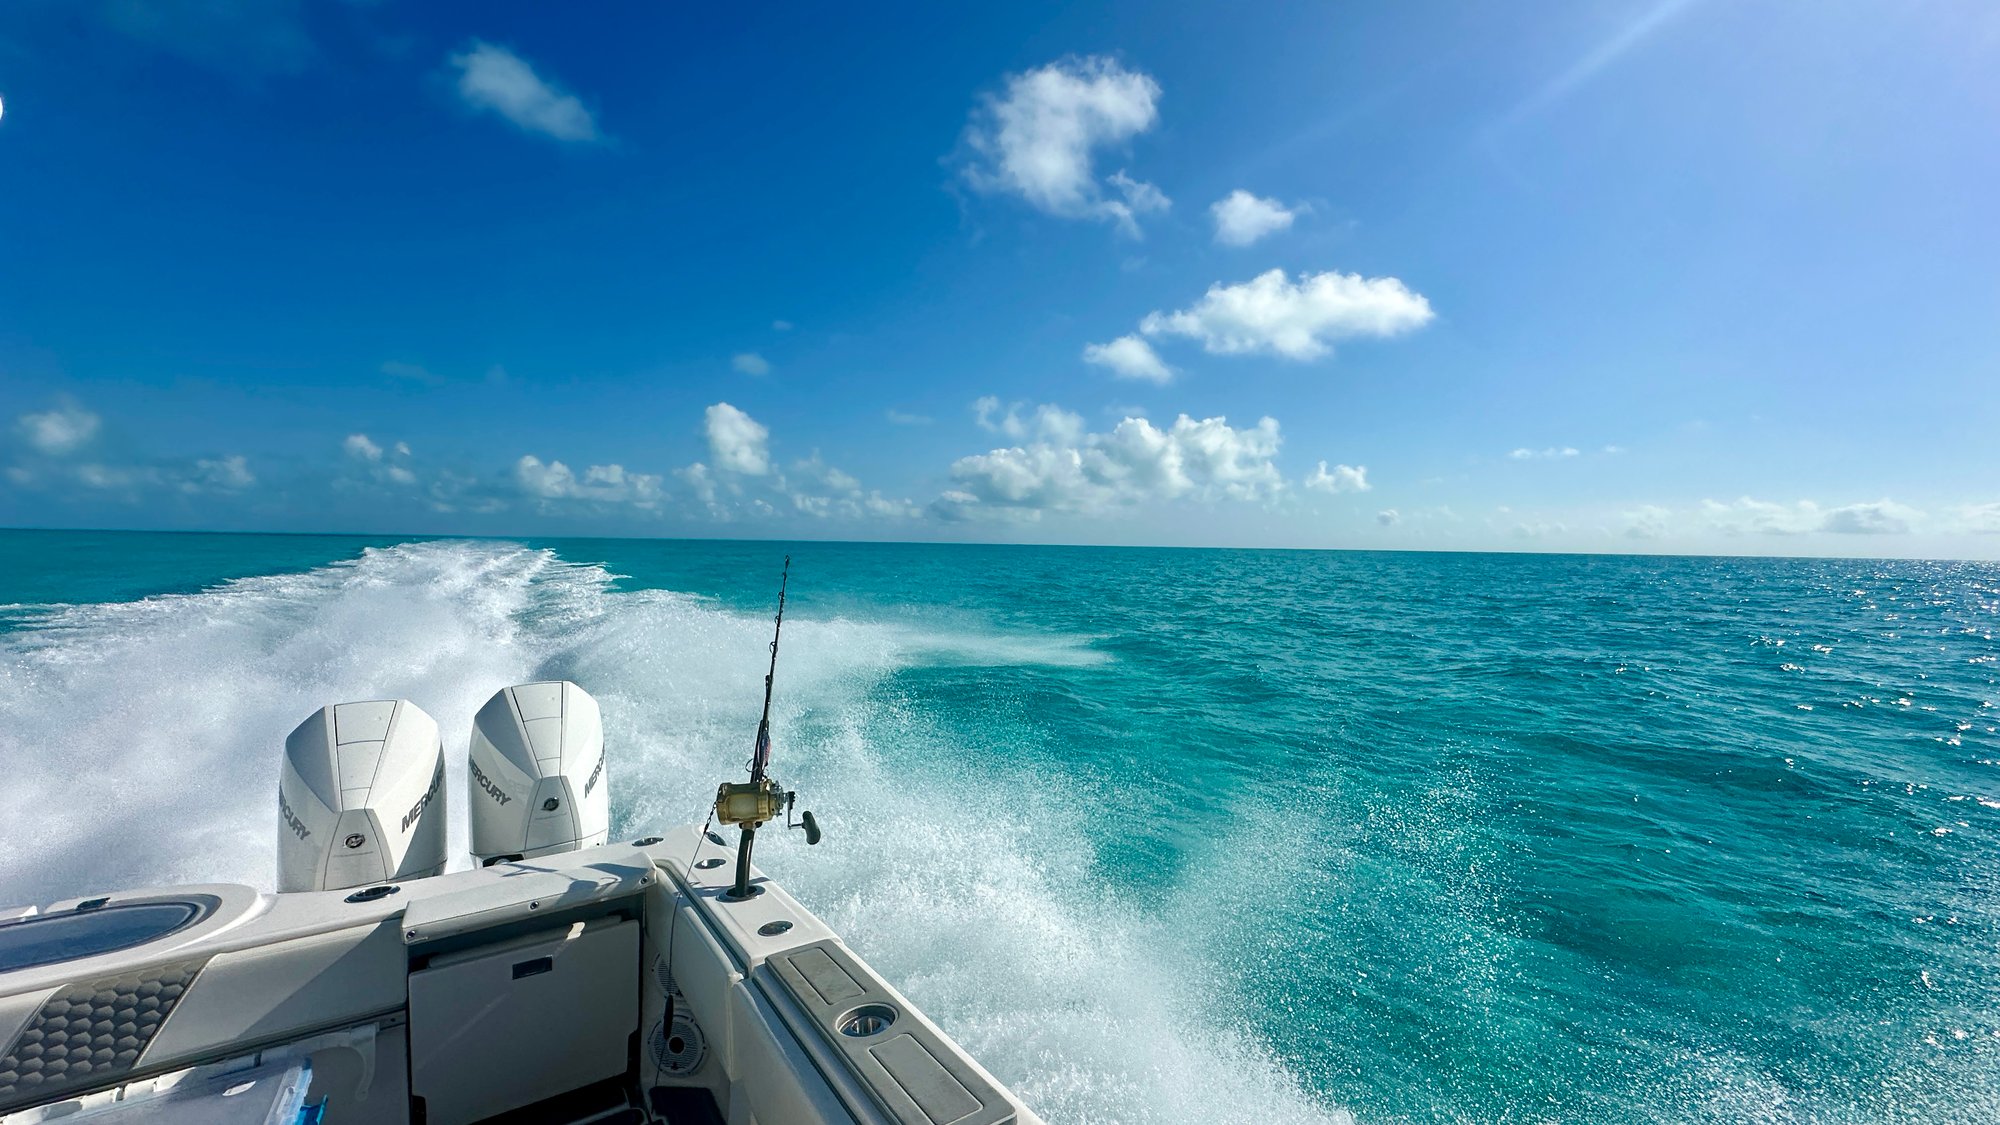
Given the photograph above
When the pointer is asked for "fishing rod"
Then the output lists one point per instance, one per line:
(748, 805)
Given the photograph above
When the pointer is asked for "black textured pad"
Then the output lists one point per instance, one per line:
(89, 1033)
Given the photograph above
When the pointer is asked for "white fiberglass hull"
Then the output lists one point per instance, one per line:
(462, 997)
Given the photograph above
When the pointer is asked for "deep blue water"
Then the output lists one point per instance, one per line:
(1172, 835)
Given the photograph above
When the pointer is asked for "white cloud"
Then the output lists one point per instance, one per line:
(495, 78)
(700, 481)
(1343, 478)
(750, 363)
(1550, 454)
(1141, 198)
(112, 476)
(738, 443)
(1038, 139)
(225, 474)
(1648, 521)
(1762, 517)
(837, 494)
(388, 466)
(552, 480)
(1271, 314)
(601, 483)
(1882, 517)
(1129, 357)
(1980, 518)
(1065, 469)
(1242, 218)
(902, 418)
(1388, 517)
(59, 432)
(986, 413)
(782, 325)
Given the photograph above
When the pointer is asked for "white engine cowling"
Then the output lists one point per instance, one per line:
(537, 781)
(361, 797)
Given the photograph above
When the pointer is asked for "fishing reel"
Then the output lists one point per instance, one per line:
(749, 804)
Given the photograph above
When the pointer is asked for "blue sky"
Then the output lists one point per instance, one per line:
(1609, 276)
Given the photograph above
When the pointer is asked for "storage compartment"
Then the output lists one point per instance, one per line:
(505, 1025)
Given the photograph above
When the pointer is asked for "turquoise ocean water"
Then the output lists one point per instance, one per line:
(1170, 835)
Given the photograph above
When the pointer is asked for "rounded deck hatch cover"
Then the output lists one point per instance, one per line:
(47, 939)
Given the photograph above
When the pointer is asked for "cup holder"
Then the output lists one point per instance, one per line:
(711, 863)
(868, 1019)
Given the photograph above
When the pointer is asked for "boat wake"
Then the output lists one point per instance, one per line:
(143, 739)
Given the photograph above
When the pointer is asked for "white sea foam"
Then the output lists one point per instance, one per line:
(141, 742)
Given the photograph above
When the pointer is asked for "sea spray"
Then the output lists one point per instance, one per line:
(972, 894)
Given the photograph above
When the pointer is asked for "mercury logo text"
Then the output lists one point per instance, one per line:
(492, 790)
(424, 801)
(291, 821)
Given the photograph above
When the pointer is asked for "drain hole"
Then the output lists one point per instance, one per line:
(868, 1019)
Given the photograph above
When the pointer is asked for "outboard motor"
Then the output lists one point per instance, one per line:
(361, 797)
(536, 779)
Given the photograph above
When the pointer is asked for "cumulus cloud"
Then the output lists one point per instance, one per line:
(58, 432)
(1647, 521)
(1882, 517)
(1129, 357)
(390, 466)
(223, 474)
(1552, 453)
(495, 78)
(1342, 478)
(821, 491)
(699, 481)
(1140, 198)
(737, 442)
(750, 363)
(1038, 139)
(1271, 314)
(140, 483)
(1981, 518)
(1388, 517)
(1242, 218)
(986, 414)
(108, 477)
(1066, 469)
(610, 484)
(1763, 517)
